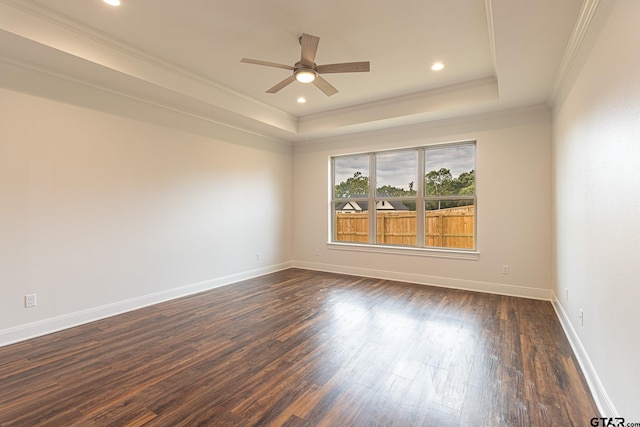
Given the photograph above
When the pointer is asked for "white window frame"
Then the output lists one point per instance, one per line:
(419, 249)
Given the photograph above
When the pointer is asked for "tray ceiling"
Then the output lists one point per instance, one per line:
(185, 56)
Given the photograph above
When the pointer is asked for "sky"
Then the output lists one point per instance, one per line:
(399, 168)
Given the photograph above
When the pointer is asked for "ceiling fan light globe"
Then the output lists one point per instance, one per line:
(305, 76)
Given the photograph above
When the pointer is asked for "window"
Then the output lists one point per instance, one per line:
(379, 198)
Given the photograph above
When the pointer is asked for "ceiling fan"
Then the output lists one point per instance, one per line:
(307, 71)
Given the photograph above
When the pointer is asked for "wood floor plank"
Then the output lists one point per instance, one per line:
(304, 348)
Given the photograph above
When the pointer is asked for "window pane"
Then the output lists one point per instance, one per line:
(396, 174)
(351, 176)
(450, 223)
(450, 171)
(396, 222)
(351, 221)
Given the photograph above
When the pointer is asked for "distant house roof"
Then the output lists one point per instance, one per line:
(361, 206)
(352, 206)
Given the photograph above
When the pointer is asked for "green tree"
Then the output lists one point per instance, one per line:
(441, 183)
(438, 183)
(390, 191)
(356, 186)
(466, 183)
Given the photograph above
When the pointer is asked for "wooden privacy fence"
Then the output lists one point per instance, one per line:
(451, 228)
(448, 228)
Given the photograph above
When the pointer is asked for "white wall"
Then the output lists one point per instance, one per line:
(514, 205)
(99, 213)
(597, 208)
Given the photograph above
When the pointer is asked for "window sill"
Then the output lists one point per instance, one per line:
(399, 250)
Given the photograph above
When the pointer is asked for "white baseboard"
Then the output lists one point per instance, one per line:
(445, 282)
(47, 326)
(605, 405)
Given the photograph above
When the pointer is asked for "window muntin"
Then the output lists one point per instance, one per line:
(438, 211)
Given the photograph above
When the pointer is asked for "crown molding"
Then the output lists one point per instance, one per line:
(89, 33)
(47, 43)
(583, 23)
(32, 79)
(408, 109)
(76, 40)
(492, 36)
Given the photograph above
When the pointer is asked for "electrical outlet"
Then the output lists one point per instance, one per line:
(30, 300)
(505, 269)
(566, 294)
(581, 317)
(258, 256)
(317, 252)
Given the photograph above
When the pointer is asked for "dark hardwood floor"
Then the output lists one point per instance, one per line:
(303, 348)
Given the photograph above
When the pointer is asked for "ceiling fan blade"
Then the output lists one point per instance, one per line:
(309, 45)
(325, 86)
(282, 84)
(268, 64)
(346, 67)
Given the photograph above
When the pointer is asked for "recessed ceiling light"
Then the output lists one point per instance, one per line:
(112, 2)
(437, 66)
(301, 100)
